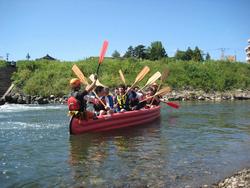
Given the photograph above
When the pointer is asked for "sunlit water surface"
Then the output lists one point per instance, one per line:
(198, 144)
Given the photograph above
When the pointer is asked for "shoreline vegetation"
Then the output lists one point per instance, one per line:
(44, 81)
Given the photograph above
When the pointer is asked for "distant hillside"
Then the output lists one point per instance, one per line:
(52, 77)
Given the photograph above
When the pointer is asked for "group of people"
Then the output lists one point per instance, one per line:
(123, 99)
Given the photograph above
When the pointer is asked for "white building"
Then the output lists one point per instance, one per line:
(248, 51)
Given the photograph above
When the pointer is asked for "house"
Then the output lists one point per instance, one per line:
(47, 57)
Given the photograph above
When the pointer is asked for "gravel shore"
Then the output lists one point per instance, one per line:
(239, 180)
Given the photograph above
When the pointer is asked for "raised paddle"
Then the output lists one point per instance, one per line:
(98, 83)
(122, 77)
(140, 76)
(79, 74)
(162, 91)
(164, 75)
(102, 54)
(152, 79)
(163, 78)
(82, 78)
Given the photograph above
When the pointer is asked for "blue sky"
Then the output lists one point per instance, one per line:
(76, 29)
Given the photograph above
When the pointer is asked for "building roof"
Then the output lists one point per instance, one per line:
(48, 57)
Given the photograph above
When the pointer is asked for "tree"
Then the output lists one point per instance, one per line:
(181, 55)
(116, 54)
(208, 57)
(140, 52)
(129, 53)
(197, 54)
(28, 56)
(156, 51)
(189, 54)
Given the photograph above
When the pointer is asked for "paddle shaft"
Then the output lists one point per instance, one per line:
(97, 71)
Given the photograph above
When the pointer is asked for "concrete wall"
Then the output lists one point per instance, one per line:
(5, 78)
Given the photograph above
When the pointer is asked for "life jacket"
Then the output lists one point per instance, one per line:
(73, 104)
(111, 101)
(122, 101)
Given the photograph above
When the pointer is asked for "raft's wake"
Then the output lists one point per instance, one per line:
(21, 107)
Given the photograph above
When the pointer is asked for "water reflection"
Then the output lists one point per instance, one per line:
(125, 157)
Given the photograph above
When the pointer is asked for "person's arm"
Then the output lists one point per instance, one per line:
(107, 101)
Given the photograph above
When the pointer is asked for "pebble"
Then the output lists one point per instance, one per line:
(239, 180)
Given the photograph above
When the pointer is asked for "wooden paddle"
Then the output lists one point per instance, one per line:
(140, 76)
(162, 91)
(79, 74)
(98, 83)
(102, 54)
(122, 77)
(152, 79)
(163, 78)
(165, 74)
(82, 78)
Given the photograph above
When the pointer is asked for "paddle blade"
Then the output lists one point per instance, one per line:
(79, 74)
(153, 78)
(165, 74)
(103, 51)
(172, 104)
(122, 77)
(142, 74)
(163, 91)
(98, 83)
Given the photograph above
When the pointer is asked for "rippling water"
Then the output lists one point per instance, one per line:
(198, 144)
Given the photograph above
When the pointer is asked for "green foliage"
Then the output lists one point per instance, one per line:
(140, 52)
(52, 77)
(2, 63)
(129, 53)
(156, 51)
(189, 54)
(208, 57)
(116, 54)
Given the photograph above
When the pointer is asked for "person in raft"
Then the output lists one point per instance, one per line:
(100, 109)
(109, 99)
(121, 100)
(77, 103)
(133, 99)
(152, 101)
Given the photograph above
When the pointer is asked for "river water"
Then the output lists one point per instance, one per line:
(196, 145)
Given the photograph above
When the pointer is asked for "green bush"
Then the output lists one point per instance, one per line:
(2, 63)
(45, 78)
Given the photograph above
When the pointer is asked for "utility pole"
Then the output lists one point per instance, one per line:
(222, 56)
(28, 56)
(7, 56)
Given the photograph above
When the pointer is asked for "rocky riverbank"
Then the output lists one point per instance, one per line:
(185, 95)
(239, 180)
(17, 98)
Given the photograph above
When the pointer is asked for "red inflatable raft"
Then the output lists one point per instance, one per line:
(115, 121)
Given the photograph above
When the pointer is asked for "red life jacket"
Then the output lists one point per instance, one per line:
(73, 104)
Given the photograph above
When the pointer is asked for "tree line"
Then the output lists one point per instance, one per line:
(156, 51)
